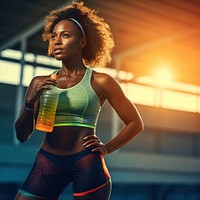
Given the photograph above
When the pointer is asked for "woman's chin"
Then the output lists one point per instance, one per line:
(58, 57)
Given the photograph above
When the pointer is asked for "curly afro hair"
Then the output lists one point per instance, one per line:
(97, 32)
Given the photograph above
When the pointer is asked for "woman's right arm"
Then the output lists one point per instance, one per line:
(25, 123)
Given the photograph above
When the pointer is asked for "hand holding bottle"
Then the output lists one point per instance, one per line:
(48, 104)
(39, 87)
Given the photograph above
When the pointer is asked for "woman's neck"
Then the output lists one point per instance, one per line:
(72, 68)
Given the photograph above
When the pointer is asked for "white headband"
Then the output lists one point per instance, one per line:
(79, 25)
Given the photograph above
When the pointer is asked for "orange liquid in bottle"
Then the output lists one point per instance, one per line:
(47, 109)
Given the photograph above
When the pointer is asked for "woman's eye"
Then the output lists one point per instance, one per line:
(53, 37)
(65, 35)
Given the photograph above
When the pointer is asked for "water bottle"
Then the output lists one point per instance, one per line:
(47, 109)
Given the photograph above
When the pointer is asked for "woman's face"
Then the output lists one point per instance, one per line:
(66, 41)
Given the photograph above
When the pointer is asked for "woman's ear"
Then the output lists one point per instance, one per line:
(83, 42)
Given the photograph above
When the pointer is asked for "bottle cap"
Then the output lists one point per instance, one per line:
(54, 76)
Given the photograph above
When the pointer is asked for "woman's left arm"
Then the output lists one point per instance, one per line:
(127, 112)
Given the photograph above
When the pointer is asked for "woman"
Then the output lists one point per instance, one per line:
(72, 152)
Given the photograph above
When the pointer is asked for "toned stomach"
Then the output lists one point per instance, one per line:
(66, 140)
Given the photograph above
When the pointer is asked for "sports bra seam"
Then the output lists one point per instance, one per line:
(83, 113)
(90, 85)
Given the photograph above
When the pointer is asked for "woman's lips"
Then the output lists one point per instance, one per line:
(58, 50)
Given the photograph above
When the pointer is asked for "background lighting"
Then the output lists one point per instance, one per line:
(163, 77)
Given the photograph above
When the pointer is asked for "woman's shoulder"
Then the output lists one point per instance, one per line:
(38, 78)
(103, 78)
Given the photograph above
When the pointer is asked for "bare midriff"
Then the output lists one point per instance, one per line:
(66, 140)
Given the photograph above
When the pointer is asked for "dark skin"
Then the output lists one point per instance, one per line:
(67, 44)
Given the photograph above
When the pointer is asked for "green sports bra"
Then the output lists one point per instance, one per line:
(78, 105)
